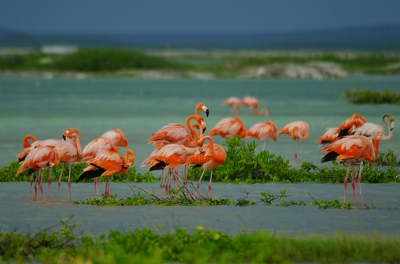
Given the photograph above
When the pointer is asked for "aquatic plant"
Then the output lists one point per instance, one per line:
(243, 164)
(199, 245)
(361, 96)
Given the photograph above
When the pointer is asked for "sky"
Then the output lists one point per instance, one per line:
(203, 16)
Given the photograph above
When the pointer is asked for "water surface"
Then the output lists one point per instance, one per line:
(46, 107)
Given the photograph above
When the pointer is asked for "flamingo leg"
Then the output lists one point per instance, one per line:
(49, 181)
(176, 177)
(359, 179)
(201, 177)
(209, 185)
(36, 183)
(69, 181)
(345, 182)
(185, 177)
(162, 179)
(353, 182)
(59, 179)
(107, 191)
(295, 151)
(96, 185)
(31, 181)
(41, 183)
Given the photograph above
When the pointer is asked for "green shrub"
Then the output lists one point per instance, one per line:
(361, 96)
(107, 59)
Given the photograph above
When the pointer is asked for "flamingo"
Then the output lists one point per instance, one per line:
(108, 141)
(28, 147)
(229, 128)
(234, 103)
(106, 164)
(352, 149)
(37, 160)
(201, 106)
(371, 130)
(252, 103)
(177, 133)
(209, 156)
(296, 130)
(329, 136)
(263, 132)
(70, 153)
(169, 157)
(350, 124)
(25, 141)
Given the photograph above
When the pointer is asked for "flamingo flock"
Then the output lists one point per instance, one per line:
(353, 142)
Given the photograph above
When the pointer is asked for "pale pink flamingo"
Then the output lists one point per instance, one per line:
(28, 147)
(296, 130)
(263, 132)
(70, 153)
(37, 160)
(234, 103)
(371, 130)
(106, 164)
(229, 128)
(252, 103)
(352, 149)
(209, 156)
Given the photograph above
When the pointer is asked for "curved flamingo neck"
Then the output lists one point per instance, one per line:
(26, 143)
(211, 142)
(78, 143)
(193, 135)
(129, 157)
(390, 133)
(263, 110)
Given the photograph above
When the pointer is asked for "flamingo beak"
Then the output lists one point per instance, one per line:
(391, 126)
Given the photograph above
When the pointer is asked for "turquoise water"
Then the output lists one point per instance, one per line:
(139, 107)
(46, 107)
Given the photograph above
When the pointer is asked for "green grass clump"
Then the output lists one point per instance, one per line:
(361, 96)
(107, 59)
(64, 245)
(243, 164)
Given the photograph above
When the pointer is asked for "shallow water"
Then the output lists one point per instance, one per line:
(22, 211)
(46, 107)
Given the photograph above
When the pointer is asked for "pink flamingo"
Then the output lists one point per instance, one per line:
(110, 140)
(37, 160)
(234, 103)
(70, 153)
(352, 149)
(263, 132)
(209, 156)
(28, 147)
(106, 164)
(229, 128)
(296, 130)
(252, 103)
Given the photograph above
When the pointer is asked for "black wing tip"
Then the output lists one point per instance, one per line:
(343, 132)
(91, 174)
(159, 166)
(331, 156)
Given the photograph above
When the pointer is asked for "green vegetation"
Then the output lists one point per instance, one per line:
(243, 164)
(86, 60)
(106, 60)
(361, 96)
(64, 245)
